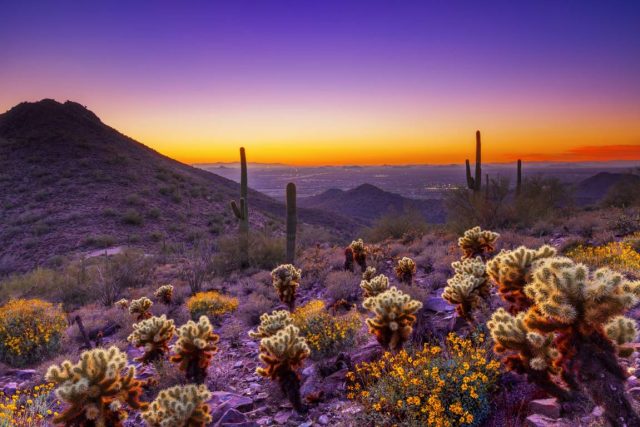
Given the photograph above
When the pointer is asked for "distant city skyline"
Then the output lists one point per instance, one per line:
(339, 83)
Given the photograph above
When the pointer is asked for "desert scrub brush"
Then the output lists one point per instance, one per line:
(195, 348)
(469, 288)
(140, 308)
(359, 251)
(375, 286)
(405, 270)
(282, 355)
(180, 406)
(369, 273)
(512, 270)
(154, 335)
(477, 242)
(394, 317)
(96, 388)
(164, 294)
(270, 324)
(286, 279)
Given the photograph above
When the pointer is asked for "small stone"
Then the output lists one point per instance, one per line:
(547, 407)
(598, 411)
(264, 421)
(632, 381)
(437, 304)
(232, 416)
(10, 388)
(238, 364)
(25, 374)
(537, 420)
(282, 417)
(635, 393)
(323, 419)
(306, 424)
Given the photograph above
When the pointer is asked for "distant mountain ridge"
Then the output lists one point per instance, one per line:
(70, 183)
(367, 203)
(595, 188)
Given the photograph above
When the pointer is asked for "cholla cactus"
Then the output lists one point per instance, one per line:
(405, 270)
(286, 281)
(195, 348)
(469, 288)
(96, 388)
(359, 253)
(512, 270)
(369, 273)
(122, 304)
(140, 308)
(622, 330)
(394, 317)
(375, 286)
(180, 406)
(282, 354)
(477, 242)
(270, 324)
(154, 335)
(165, 294)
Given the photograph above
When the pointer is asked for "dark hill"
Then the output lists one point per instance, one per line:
(70, 183)
(367, 203)
(595, 188)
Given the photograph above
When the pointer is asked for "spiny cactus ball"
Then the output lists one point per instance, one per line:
(369, 273)
(394, 317)
(180, 406)
(140, 308)
(96, 388)
(122, 304)
(477, 242)
(405, 269)
(270, 324)
(195, 348)
(511, 333)
(375, 286)
(164, 293)
(154, 335)
(286, 280)
(512, 270)
(622, 330)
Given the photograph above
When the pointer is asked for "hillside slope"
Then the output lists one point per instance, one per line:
(366, 203)
(595, 188)
(68, 183)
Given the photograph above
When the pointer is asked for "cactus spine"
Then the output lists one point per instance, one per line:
(475, 184)
(242, 212)
(292, 222)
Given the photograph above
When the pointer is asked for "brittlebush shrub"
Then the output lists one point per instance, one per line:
(32, 407)
(325, 333)
(212, 304)
(433, 386)
(620, 256)
(30, 331)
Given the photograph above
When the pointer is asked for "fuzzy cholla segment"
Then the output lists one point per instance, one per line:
(283, 352)
(566, 293)
(140, 307)
(477, 242)
(180, 406)
(375, 286)
(369, 273)
(469, 287)
(96, 387)
(286, 280)
(164, 293)
(358, 246)
(622, 330)
(394, 317)
(511, 333)
(270, 324)
(122, 304)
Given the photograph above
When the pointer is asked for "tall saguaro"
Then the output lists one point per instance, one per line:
(475, 184)
(242, 212)
(519, 179)
(292, 222)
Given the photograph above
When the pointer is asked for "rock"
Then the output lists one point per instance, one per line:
(632, 381)
(537, 420)
(265, 421)
(598, 411)
(635, 393)
(437, 304)
(323, 419)
(306, 424)
(238, 364)
(222, 402)
(282, 417)
(547, 407)
(10, 388)
(232, 417)
(370, 352)
(25, 374)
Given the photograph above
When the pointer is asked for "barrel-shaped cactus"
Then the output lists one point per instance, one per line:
(286, 279)
(164, 294)
(282, 355)
(140, 308)
(180, 406)
(405, 269)
(477, 242)
(375, 286)
(96, 389)
(154, 335)
(195, 348)
(270, 324)
(394, 317)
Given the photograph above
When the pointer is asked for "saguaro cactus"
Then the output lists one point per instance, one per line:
(292, 222)
(475, 184)
(241, 212)
(519, 178)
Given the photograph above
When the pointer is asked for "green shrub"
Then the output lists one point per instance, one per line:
(397, 226)
(265, 252)
(132, 217)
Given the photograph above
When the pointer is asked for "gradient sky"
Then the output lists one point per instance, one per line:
(339, 82)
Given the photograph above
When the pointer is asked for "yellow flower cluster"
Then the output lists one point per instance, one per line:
(326, 334)
(619, 256)
(30, 330)
(27, 408)
(434, 386)
(212, 304)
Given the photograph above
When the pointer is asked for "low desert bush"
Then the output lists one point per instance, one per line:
(432, 386)
(211, 304)
(132, 217)
(32, 407)
(253, 306)
(265, 252)
(397, 226)
(30, 331)
(620, 256)
(342, 285)
(326, 334)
